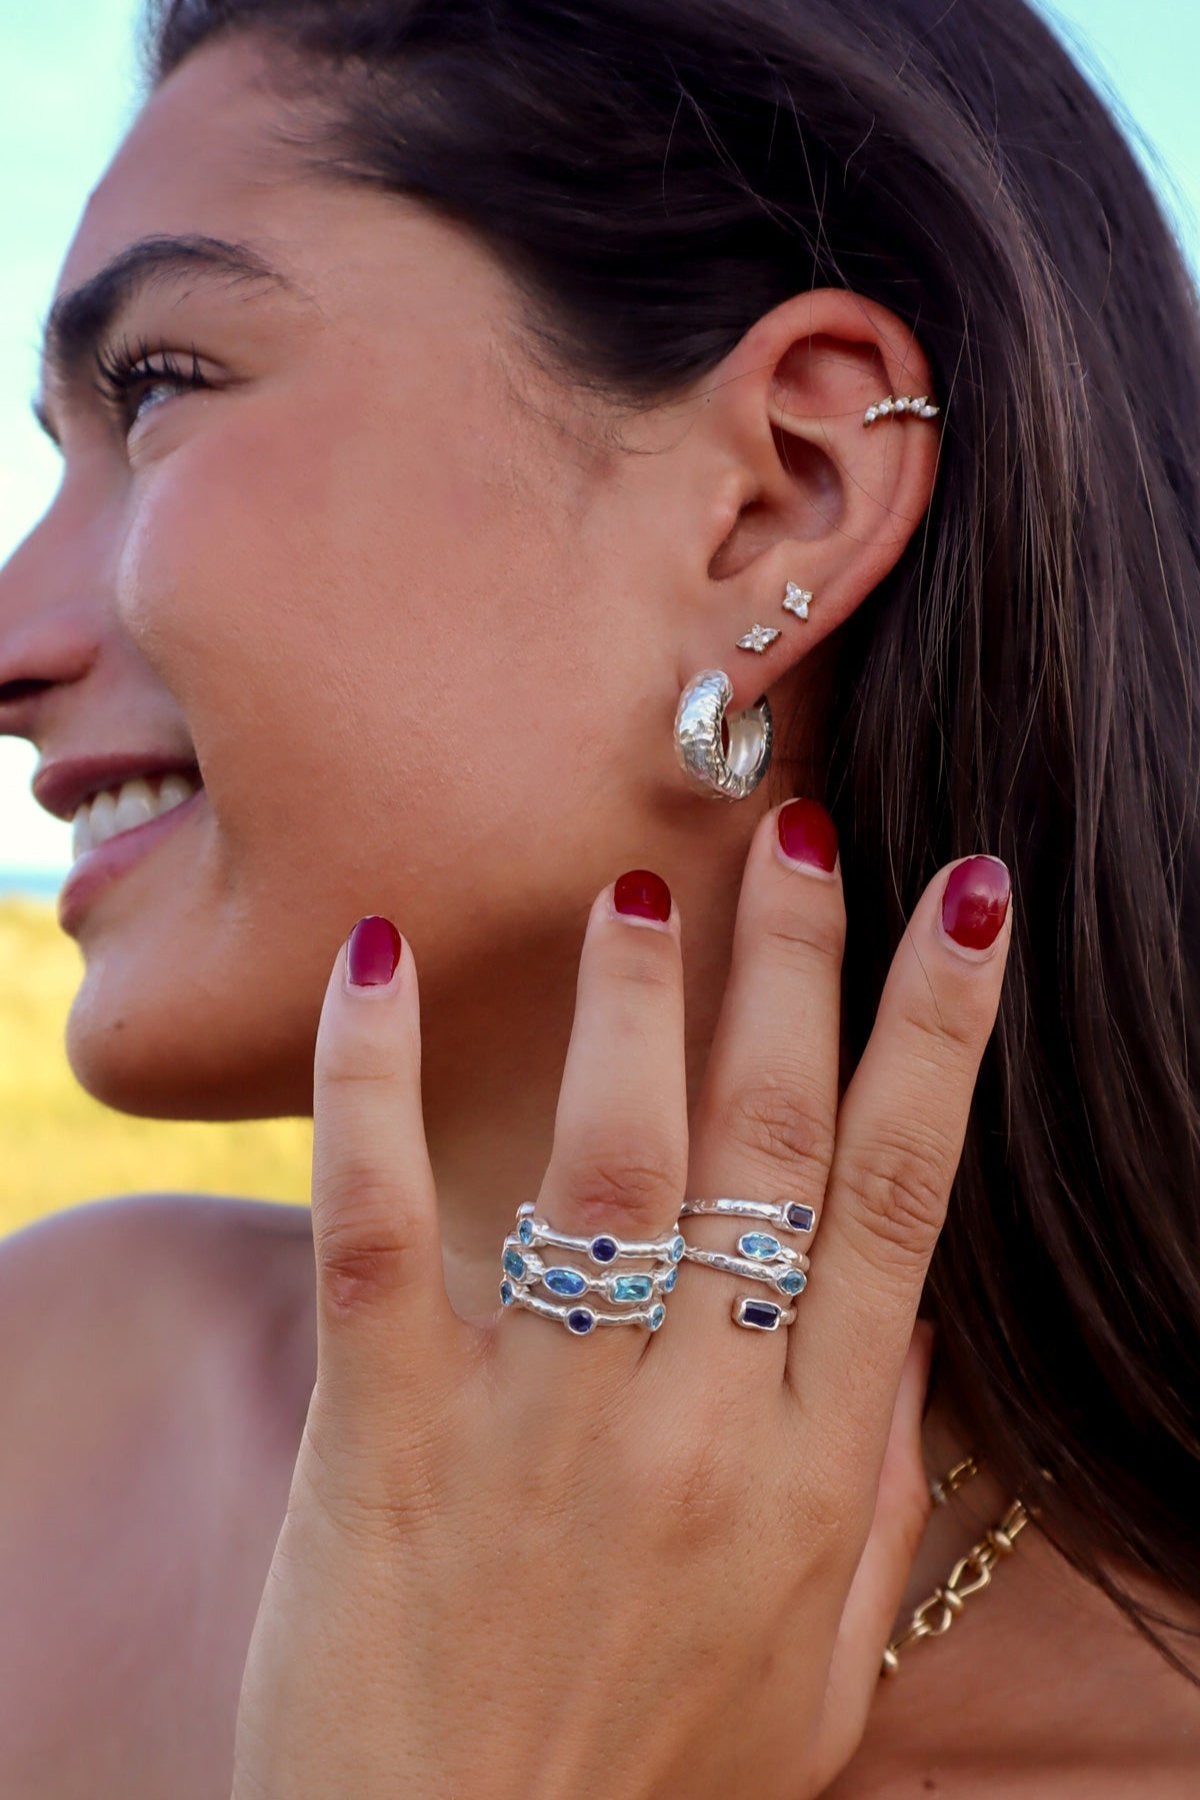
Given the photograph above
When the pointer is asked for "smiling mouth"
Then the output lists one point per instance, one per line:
(133, 803)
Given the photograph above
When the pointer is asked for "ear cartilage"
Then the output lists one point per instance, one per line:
(918, 408)
(758, 638)
(796, 600)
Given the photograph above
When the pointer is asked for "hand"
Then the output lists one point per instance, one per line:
(651, 1564)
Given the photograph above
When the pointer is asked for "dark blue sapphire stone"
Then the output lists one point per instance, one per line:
(800, 1217)
(760, 1313)
(580, 1321)
(603, 1249)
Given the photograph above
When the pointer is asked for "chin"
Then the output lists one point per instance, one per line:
(157, 1057)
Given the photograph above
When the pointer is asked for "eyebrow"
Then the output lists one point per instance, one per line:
(79, 320)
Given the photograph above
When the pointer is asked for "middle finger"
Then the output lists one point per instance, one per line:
(763, 1126)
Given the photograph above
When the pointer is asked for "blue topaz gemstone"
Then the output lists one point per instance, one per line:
(506, 1293)
(657, 1315)
(761, 1314)
(794, 1282)
(632, 1287)
(678, 1246)
(565, 1281)
(514, 1263)
(760, 1245)
(603, 1249)
(669, 1280)
(800, 1218)
(525, 1231)
(580, 1320)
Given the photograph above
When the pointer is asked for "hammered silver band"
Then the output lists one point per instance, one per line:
(580, 1320)
(788, 1215)
(730, 773)
(603, 1247)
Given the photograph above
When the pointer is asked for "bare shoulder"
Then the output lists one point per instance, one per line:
(140, 1341)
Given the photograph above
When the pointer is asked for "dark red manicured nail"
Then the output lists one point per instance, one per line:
(372, 952)
(975, 902)
(807, 834)
(643, 894)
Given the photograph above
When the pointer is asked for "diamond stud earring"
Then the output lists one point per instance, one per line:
(758, 638)
(894, 407)
(796, 600)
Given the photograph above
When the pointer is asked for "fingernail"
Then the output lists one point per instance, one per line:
(807, 835)
(640, 894)
(372, 952)
(975, 902)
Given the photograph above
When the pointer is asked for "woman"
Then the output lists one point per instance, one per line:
(444, 390)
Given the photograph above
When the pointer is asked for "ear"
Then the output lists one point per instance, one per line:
(797, 487)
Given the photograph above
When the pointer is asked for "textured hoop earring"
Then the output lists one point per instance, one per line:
(725, 774)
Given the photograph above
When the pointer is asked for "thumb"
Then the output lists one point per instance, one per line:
(902, 1510)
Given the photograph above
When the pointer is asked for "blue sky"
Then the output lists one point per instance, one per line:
(66, 97)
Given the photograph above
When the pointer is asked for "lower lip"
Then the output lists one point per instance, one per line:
(91, 874)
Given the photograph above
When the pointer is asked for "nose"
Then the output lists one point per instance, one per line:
(48, 629)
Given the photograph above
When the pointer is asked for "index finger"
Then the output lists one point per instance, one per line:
(900, 1132)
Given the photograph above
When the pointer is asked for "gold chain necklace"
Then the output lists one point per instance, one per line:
(970, 1573)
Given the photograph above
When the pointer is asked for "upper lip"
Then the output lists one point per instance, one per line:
(61, 786)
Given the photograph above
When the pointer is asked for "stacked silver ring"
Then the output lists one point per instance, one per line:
(761, 1256)
(523, 1268)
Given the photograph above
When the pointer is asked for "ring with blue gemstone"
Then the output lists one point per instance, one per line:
(580, 1320)
(785, 1215)
(603, 1248)
(785, 1269)
(568, 1282)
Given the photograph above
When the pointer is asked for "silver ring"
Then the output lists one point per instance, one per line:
(569, 1283)
(580, 1321)
(788, 1215)
(761, 1315)
(604, 1247)
(787, 1277)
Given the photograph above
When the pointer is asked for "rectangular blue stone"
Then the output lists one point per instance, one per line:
(761, 1314)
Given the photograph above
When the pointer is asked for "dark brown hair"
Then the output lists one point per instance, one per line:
(659, 173)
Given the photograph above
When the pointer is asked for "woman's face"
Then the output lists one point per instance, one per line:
(377, 578)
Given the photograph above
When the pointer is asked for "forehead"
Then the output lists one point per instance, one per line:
(197, 159)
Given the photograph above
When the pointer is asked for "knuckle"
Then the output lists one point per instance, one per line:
(951, 1027)
(901, 1195)
(778, 1121)
(804, 937)
(607, 1183)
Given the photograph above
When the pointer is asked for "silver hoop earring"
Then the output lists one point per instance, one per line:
(726, 774)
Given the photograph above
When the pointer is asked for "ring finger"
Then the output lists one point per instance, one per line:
(619, 1156)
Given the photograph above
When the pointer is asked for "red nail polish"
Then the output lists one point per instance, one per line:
(975, 902)
(372, 952)
(807, 834)
(643, 894)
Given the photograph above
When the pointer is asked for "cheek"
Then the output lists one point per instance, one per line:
(366, 634)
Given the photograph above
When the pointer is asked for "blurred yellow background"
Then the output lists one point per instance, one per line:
(58, 1146)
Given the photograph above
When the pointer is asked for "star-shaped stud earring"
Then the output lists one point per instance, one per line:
(758, 638)
(796, 600)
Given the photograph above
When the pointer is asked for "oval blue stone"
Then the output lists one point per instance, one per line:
(506, 1292)
(565, 1281)
(793, 1282)
(525, 1231)
(657, 1316)
(678, 1246)
(759, 1244)
(632, 1287)
(669, 1280)
(580, 1321)
(603, 1249)
(514, 1263)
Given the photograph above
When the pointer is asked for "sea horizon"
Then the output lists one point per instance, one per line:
(31, 884)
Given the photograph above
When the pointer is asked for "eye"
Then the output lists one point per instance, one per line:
(125, 375)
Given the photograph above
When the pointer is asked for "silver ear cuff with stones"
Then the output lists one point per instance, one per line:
(900, 407)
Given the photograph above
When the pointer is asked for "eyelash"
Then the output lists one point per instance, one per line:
(123, 369)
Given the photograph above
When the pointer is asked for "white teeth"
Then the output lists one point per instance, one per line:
(134, 803)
